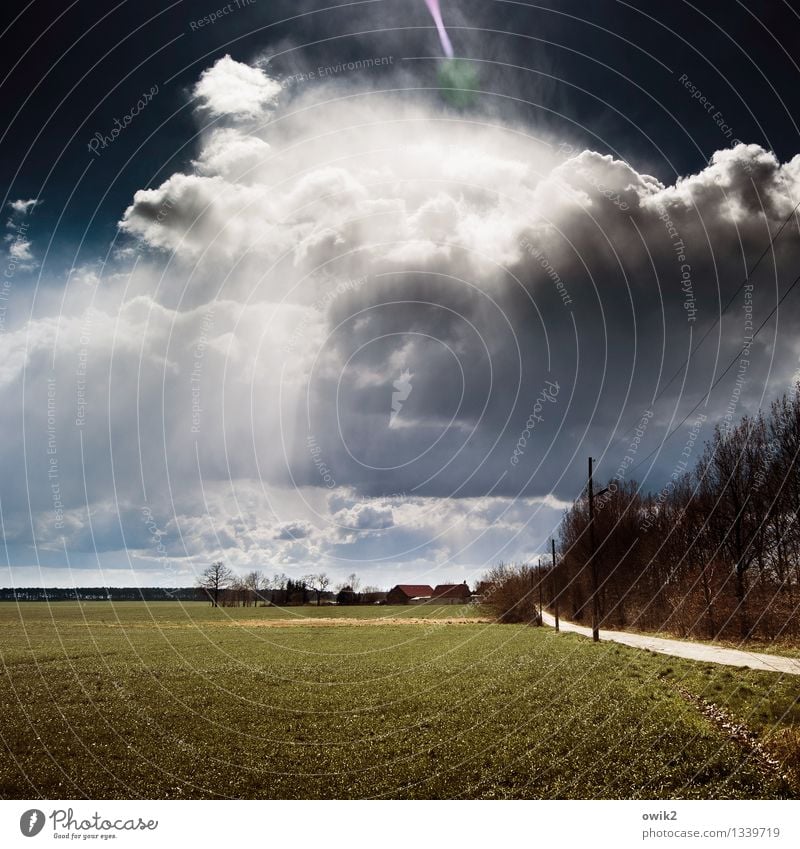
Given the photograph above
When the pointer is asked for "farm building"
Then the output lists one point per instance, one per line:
(409, 593)
(451, 594)
(420, 593)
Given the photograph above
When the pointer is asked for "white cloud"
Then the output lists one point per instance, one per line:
(366, 517)
(293, 530)
(233, 155)
(23, 207)
(20, 249)
(231, 88)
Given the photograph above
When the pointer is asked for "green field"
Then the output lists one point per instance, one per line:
(129, 700)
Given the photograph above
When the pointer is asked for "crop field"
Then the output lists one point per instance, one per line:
(162, 700)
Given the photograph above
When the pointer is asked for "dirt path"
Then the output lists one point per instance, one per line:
(327, 622)
(691, 651)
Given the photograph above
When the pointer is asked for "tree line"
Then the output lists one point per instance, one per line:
(220, 585)
(225, 588)
(100, 594)
(715, 553)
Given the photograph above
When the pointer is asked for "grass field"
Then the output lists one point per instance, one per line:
(129, 700)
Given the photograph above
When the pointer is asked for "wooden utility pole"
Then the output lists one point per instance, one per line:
(555, 584)
(593, 561)
(533, 598)
(541, 579)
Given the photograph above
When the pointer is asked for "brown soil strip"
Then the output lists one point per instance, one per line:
(738, 733)
(326, 622)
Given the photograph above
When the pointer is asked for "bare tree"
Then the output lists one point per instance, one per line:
(279, 594)
(510, 592)
(256, 582)
(373, 595)
(318, 583)
(214, 578)
(730, 469)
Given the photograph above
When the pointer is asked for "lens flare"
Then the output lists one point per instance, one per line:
(458, 82)
(436, 14)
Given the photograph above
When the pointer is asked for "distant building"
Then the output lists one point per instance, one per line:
(421, 593)
(409, 593)
(347, 595)
(451, 594)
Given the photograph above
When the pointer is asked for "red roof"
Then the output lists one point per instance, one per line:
(451, 591)
(415, 590)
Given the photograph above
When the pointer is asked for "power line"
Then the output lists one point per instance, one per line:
(717, 381)
(744, 282)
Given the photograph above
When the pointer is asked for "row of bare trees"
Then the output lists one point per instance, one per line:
(223, 587)
(715, 553)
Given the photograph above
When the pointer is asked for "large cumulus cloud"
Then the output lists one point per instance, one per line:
(364, 330)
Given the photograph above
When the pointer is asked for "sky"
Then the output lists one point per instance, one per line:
(285, 286)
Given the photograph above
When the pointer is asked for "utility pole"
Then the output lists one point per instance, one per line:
(541, 609)
(555, 584)
(533, 599)
(593, 561)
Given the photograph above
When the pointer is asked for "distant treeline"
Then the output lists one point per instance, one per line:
(285, 592)
(102, 594)
(716, 552)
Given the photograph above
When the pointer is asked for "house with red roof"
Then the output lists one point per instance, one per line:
(420, 593)
(409, 594)
(451, 594)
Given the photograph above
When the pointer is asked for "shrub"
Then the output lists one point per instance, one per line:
(511, 593)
